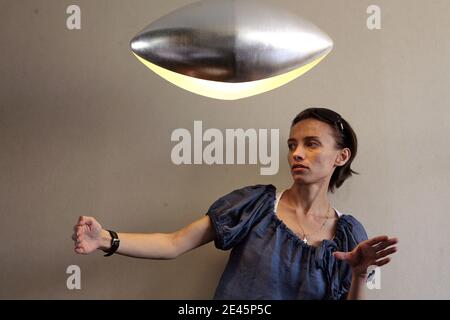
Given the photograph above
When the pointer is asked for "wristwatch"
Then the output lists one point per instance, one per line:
(115, 242)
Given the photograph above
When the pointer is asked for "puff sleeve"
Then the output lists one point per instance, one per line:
(234, 214)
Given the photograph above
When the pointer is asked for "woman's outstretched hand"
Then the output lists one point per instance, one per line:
(87, 235)
(374, 251)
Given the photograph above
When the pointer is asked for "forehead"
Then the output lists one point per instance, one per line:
(311, 127)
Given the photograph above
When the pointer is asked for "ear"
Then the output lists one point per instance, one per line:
(342, 157)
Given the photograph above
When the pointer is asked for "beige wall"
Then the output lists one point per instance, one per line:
(85, 130)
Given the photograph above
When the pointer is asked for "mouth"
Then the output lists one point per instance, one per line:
(299, 167)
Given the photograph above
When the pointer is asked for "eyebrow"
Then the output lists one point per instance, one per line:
(305, 138)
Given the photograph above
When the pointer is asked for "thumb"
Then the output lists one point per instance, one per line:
(341, 255)
(85, 220)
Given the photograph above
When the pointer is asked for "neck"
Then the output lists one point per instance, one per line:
(311, 200)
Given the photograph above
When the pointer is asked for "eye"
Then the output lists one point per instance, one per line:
(290, 145)
(312, 144)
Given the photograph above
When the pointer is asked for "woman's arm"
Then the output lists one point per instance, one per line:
(356, 291)
(90, 236)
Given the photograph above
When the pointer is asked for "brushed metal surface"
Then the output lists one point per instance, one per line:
(231, 41)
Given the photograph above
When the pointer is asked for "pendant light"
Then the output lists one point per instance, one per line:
(230, 49)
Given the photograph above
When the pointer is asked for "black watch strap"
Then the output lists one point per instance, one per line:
(114, 244)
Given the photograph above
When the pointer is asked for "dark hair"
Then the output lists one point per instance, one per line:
(344, 136)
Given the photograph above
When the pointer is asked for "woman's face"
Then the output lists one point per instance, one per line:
(311, 143)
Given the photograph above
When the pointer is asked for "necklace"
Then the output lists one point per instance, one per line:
(305, 240)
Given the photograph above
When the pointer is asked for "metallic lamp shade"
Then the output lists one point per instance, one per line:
(230, 49)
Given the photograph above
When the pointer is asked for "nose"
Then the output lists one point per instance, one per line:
(299, 154)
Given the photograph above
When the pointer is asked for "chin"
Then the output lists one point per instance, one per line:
(299, 179)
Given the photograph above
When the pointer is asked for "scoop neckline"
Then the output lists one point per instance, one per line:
(291, 233)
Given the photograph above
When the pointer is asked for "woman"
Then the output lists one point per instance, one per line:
(289, 244)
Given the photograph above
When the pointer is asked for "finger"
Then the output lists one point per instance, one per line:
(79, 250)
(341, 255)
(376, 240)
(76, 229)
(85, 220)
(382, 262)
(78, 244)
(385, 244)
(386, 252)
(77, 238)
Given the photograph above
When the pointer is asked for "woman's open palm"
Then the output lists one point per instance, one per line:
(87, 235)
(370, 252)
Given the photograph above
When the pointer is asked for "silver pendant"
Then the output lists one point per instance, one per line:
(305, 240)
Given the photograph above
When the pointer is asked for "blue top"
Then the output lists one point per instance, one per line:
(268, 260)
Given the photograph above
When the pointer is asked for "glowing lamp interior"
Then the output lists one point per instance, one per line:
(225, 90)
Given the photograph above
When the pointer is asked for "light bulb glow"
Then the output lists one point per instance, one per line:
(226, 90)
